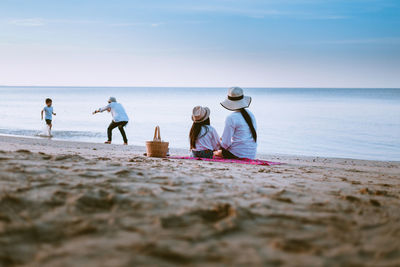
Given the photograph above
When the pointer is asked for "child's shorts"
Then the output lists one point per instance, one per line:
(48, 122)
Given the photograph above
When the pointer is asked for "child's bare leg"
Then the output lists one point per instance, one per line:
(218, 153)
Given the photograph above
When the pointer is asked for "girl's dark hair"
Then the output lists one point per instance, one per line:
(195, 131)
(249, 121)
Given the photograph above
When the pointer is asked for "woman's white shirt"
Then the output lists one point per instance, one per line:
(207, 141)
(237, 137)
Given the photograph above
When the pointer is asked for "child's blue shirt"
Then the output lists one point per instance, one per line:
(48, 113)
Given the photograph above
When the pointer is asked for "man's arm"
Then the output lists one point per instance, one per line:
(102, 109)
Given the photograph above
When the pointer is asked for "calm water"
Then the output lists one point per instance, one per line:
(351, 123)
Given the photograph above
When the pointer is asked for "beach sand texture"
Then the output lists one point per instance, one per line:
(81, 204)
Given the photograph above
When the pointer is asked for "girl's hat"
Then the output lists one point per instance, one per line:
(200, 114)
(236, 100)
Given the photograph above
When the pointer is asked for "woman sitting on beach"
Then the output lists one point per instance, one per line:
(239, 139)
(204, 139)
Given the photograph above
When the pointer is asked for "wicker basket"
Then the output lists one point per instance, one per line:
(157, 148)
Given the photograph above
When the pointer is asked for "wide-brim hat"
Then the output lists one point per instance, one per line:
(200, 114)
(236, 99)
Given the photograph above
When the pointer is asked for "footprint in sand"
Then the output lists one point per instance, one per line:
(24, 151)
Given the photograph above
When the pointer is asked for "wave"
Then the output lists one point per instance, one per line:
(56, 134)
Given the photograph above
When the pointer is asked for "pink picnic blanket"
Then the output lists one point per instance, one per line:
(240, 161)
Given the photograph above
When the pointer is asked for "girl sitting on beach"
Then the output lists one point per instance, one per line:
(239, 139)
(204, 139)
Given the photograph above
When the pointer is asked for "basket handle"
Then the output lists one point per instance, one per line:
(157, 136)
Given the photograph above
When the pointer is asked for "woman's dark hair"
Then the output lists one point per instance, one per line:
(195, 131)
(249, 121)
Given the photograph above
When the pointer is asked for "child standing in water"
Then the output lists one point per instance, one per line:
(48, 111)
(204, 139)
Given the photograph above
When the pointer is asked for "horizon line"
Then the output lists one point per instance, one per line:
(251, 87)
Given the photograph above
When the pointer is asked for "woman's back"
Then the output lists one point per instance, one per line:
(237, 136)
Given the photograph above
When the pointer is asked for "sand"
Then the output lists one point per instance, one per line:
(82, 204)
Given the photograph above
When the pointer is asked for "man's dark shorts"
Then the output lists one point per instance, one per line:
(48, 122)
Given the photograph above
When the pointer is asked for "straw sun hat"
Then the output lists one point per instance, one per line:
(236, 100)
(200, 114)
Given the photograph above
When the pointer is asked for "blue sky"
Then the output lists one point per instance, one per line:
(249, 43)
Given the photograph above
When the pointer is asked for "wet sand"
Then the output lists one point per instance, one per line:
(82, 204)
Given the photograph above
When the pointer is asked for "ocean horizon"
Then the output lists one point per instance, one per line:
(360, 123)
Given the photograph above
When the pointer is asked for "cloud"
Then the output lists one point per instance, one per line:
(32, 22)
(255, 13)
(156, 24)
(132, 24)
(259, 12)
(387, 40)
(324, 17)
(37, 22)
(124, 24)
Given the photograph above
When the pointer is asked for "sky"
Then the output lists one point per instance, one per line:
(221, 43)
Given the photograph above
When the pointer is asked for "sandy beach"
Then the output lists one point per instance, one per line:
(82, 204)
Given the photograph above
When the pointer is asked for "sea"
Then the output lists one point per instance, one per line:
(319, 122)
